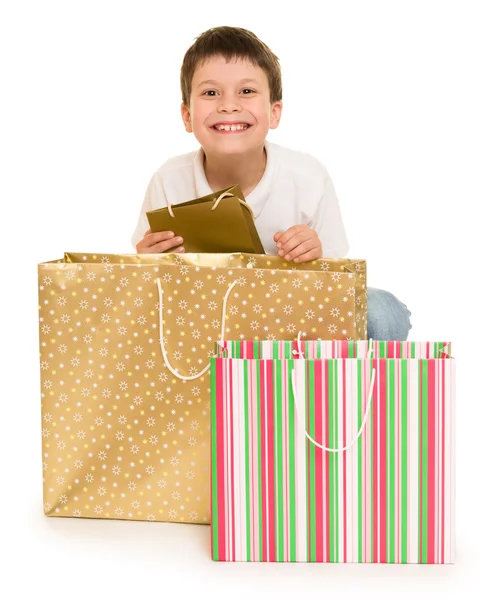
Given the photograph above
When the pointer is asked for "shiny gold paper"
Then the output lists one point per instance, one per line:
(227, 228)
(123, 436)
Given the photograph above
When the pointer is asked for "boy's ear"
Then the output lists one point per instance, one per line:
(276, 113)
(186, 117)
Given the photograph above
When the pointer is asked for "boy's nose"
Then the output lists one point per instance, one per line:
(229, 104)
(229, 108)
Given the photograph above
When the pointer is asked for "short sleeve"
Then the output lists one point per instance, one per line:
(153, 198)
(328, 224)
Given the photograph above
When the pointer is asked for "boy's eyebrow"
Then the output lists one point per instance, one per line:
(214, 82)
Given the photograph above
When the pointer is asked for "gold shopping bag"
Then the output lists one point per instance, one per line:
(199, 222)
(125, 343)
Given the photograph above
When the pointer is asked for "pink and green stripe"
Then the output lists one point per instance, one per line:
(278, 497)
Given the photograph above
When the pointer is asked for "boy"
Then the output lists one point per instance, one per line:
(231, 97)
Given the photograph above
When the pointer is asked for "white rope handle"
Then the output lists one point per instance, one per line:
(215, 204)
(301, 423)
(162, 344)
(301, 353)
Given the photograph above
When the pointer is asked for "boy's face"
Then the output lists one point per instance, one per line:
(230, 110)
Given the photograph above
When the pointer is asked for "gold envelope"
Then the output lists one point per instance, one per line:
(224, 228)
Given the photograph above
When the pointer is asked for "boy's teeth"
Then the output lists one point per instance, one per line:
(231, 127)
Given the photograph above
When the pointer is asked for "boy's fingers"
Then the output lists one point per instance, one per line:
(287, 235)
(166, 245)
(301, 249)
(159, 236)
(295, 241)
(307, 256)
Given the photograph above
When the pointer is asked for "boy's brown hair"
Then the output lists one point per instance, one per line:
(230, 42)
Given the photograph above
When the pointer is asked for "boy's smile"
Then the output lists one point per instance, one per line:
(230, 127)
(230, 110)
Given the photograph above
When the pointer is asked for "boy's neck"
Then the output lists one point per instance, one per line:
(246, 170)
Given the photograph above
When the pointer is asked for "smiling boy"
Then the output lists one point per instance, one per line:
(231, 97)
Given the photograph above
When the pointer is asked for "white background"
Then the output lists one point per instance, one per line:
(395, 98)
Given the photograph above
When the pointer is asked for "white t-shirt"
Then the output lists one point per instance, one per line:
(295, 189)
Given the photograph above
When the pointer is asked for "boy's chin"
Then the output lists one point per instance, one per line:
(235, 144)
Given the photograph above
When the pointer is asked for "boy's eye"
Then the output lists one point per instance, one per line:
(212, 93)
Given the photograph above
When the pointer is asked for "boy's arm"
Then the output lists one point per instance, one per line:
(152, 193)
(328, 224)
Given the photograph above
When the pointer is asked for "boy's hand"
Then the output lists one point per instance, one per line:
(161, 241)
(299, 243)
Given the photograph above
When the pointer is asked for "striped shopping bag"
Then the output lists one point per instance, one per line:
(336, 451)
